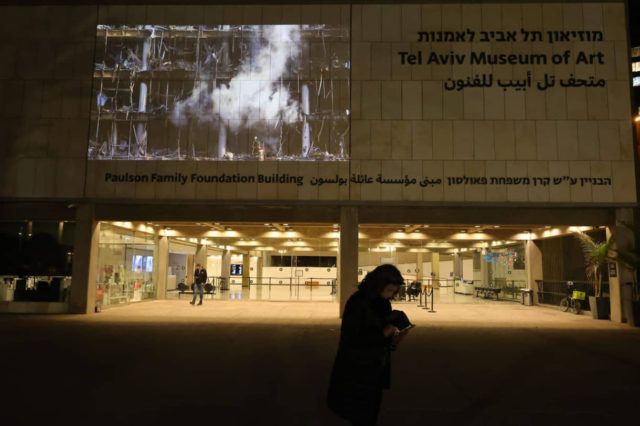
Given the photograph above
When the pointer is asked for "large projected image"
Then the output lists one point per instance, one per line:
(260, 92)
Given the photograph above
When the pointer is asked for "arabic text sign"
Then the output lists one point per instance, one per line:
(478, 57)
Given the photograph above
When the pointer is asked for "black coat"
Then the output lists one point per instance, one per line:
(362, 366)
(200, 276)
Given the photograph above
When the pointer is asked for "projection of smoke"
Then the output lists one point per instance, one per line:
(255, 92)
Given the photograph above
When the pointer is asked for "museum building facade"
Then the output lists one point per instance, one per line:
(442, 113)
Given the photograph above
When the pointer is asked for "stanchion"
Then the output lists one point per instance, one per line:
(420, 305)
(429, 293)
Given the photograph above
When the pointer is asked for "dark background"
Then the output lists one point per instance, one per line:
(634, 21)
(634, 29)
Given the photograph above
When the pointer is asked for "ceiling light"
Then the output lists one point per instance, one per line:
(547, 227)
(477, 226)
(216, 223)
(464, 230)
(273, 229)
(426, 226)
(400, 230)
(496, 226)
(267, 224)
(285, 224)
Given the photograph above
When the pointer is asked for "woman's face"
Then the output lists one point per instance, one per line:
(389, 290)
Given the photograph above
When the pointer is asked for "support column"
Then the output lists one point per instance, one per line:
(246, 270)
(435, 268)
(259, 265)
(258, 275)
(619, 292)
(533, 264)
(348, 255)
(457, 266)
(225, 271)
(161, 266)
(420, 271)
(201, 256)
(484, 270)
(84, 275)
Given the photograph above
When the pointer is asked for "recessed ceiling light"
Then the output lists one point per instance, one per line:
(400, 230)
(477, 226)
(267, 224)
(547, 227)
(464, 230)
(273, 229)
(216, 223)
(285, 224)
(416, 231)
(496, 226)
(426, 226)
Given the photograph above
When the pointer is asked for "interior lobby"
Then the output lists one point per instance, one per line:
(300, 262)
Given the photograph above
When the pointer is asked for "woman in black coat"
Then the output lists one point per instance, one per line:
(362, 366)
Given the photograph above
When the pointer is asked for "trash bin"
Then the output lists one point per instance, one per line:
(527, 296)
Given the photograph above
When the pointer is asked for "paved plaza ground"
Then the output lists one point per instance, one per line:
(268, 363)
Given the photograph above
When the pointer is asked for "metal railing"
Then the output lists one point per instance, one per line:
(551, 292)
(270, 288)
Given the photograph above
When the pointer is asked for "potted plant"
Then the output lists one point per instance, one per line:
(596, 255)
(629, 257)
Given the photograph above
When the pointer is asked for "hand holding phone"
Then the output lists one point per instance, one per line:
(398, 337)
(407, 328)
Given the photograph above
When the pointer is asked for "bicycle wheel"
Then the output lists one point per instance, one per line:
(577, 306)
(564, 304)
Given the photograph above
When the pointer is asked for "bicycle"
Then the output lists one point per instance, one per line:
(572, 301)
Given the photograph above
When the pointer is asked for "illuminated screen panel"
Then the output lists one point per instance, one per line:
(257, 92)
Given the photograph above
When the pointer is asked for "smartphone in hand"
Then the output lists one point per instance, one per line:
(407, 328)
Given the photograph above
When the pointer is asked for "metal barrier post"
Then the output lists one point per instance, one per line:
(429, 293)
(432, 294)
(425, 290)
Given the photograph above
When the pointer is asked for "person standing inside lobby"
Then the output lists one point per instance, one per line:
(200, 277)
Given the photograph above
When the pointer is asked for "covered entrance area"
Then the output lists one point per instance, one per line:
(482, 256)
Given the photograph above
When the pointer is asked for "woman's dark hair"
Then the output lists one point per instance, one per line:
(376, 280)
